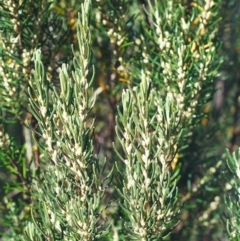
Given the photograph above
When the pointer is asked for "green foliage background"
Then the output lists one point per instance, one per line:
(124, 42)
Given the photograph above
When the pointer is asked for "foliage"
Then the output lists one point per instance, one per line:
(140, 74)
(72, 178)
(232, 201)
(19, 151)
(149, 132)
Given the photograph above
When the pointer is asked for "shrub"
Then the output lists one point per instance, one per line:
(117, 98)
